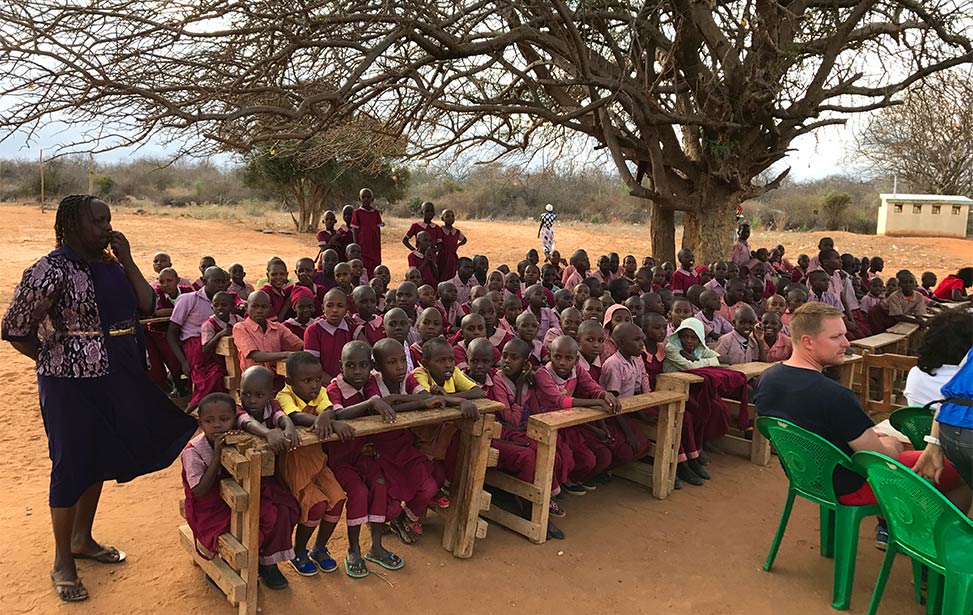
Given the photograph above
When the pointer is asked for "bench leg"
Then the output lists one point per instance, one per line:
(543, 475)
(461, 524)
(251, 533)
(668, 437)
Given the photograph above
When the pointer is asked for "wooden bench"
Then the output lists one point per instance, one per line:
(544, 427)
(891, 367)
(227, 349)
(246, 459)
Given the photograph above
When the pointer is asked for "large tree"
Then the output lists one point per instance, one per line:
(927, 141)
(692, 99)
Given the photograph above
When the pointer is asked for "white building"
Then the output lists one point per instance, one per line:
(924, 215)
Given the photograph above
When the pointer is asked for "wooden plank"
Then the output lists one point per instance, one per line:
(569, 417)
(849, 369)
(663, 380)
(225, 578)
(233, 494)
(667, 448)
(734, 445)
(225, 347)
(891, 362)
(903, 328)
(153, 321)
(759, 449)
(235, 463)
(515, 523)
(638, 472)
(512, 484)
(486, 498)
(750, 370)
(493, 456)
(876, 342)
(373, 424)
(182, 507)
(543, 474)
(232, 552)
(251, 532)
(281, 368)
(481, 529)
(470, 488)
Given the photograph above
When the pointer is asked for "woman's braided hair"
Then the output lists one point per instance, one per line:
(69, 212)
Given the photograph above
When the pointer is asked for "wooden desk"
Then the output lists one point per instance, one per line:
(247, 458)
(544, 428)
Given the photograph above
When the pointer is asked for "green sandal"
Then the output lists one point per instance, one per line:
(389, 561)
(356, 570)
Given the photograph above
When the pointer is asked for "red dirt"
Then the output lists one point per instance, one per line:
(699, 551)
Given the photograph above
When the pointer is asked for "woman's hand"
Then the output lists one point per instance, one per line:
(930, 463)
(120, 247)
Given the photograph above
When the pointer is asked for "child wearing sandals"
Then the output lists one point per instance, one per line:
(260, 414)
(305, 469)
(355, 393)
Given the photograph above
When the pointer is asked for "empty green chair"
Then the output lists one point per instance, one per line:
(809, 462)
(915, 422)
(926, 526)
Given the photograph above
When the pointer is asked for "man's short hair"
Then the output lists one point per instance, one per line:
(807, 319)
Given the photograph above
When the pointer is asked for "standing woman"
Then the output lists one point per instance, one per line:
(546, 230)
(75, 314)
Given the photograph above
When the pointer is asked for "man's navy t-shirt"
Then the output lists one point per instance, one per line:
(819, 404)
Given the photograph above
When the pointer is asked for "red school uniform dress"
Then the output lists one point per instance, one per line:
(211, 370)
(324, 237)
(500, 338)
(448, 255)
(209, 516)
(556, 393)
(296, 327)
(316, 292)
(429, 276)
(359, 475)
(459, 354)
(518, 453)
(451, 316)
(682, 280)
(161, 357)
(408, 472)
(325, 341)
(435, 232)
(288, 510)
(368, 223)
(342, 239)
(373, 330)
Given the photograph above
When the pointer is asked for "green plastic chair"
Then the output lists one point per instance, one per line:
(915, 422)
(809, 462)
(927, 527)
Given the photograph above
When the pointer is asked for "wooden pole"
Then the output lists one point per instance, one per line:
(41, 166)
(91, 173)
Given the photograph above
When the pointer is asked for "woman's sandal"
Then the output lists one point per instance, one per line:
(108, 555)
(62, 587)
(389, 561)
(356, 569)
(403, 531)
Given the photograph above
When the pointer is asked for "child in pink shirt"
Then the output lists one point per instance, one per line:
(778, 346)
(743, 344)
(714, 325)
(261, 341)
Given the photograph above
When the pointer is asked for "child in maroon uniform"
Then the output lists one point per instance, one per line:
(329, 334)
(260, 414)
(275, 289)
(537, 303)
(472, 327)
(591, 342)
(206, 512)
(343, 235)
(327, 234)
(452, 239)
(161, 356)
(302, 306)
(497, 336)
(325, 274)
(370, 325)
(304, 270)
(561, 385)
(408, 472)
(212, 369)
(512, 385)
(511, 309)
(429, 325)
(366, 228)
(355, 393)
(428, 211)
(450, 306)
(204, 263)
(526, 329)
(684, 277)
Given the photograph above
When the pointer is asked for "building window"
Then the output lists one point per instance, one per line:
(897, 208)
(956, 209)
(917, 209)
(935, 209)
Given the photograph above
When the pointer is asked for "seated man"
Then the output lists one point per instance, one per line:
(797, 391)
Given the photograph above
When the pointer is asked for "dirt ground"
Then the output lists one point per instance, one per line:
(700, 551)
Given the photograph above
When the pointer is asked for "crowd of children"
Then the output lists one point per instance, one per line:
(536, 338)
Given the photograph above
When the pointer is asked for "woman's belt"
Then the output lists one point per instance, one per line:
(125, 327)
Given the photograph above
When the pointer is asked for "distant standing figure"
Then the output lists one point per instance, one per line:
(546, 229)
(366, 227)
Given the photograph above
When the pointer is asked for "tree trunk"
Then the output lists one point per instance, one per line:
(709, 229)
(662, 233)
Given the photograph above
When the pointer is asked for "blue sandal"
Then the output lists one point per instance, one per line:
(389, 561)
(322, 557)
(304, 565)
(356, 570)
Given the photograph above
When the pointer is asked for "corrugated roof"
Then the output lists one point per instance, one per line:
(927, 198)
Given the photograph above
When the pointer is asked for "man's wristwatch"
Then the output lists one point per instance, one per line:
(931, 440)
